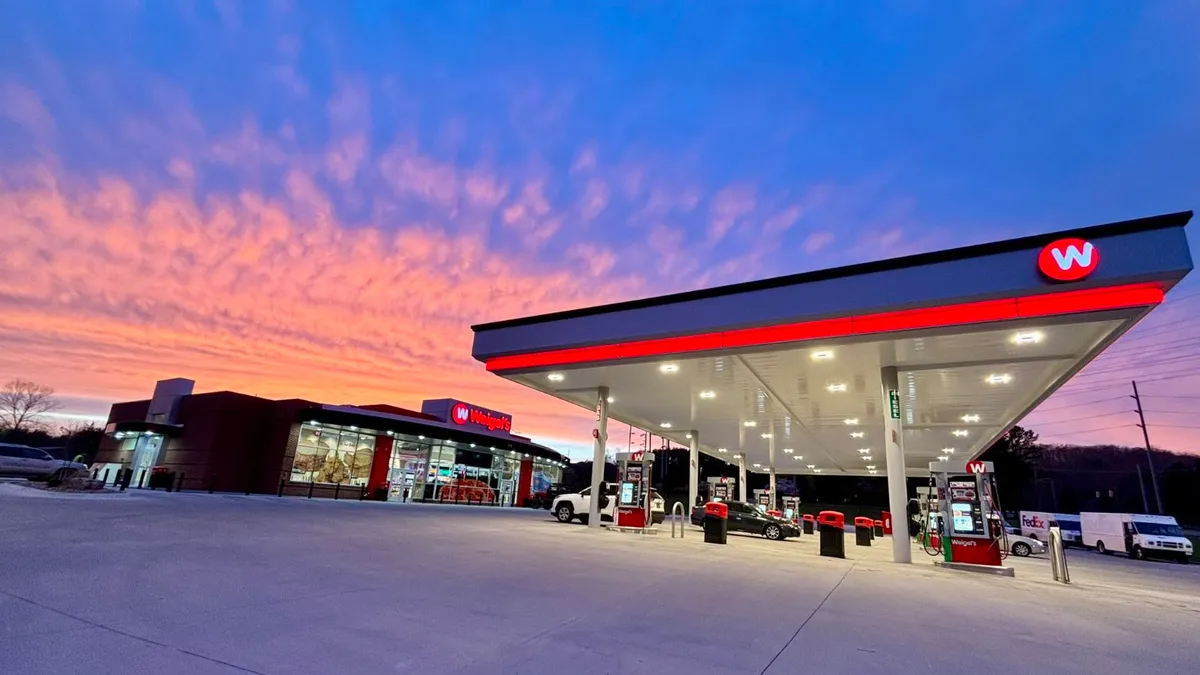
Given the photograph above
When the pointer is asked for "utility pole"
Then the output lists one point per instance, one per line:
(1142, 485)
(1146, 437)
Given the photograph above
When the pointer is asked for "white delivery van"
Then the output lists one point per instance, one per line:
(1037, 524)
(1138, 535)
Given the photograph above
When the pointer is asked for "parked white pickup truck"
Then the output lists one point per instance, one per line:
(576, 505)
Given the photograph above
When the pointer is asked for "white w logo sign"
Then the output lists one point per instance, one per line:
(1073, 257)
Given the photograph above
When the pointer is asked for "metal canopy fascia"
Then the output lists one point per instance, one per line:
(958, 292)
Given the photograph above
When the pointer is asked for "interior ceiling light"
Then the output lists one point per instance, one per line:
(870, 467)
(797, 456)
(999, 378)
(812, 466)
(836, 388)
(766, 435)
(737, 456)
(970, 418)
(610, 399)
(556, 377)
(789, 450)
(722, 450)
(864, 451)
(756, 465)
(961, 432)
(822, 355)
(948, 451)
(943, 458)
(749, 423)
(816, 471)
(708, 393)
(665, 425)
(857, 434)
(850, 421)
(1028, 338)
(872, 472)
(669, 368)
(866, 458)
(688, 435)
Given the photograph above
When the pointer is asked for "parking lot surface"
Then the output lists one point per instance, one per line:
(191, 583)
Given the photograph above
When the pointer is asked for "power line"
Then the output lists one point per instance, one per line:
(1190, 398)
(1078, 419)
(1088, 431)
(1173, 412)
(1082, 403)
(1175, 426)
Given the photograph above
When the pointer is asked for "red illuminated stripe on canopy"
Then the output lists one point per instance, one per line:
(987, 311)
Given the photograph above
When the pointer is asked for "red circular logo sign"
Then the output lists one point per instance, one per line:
(460, 413)
(1068, 259)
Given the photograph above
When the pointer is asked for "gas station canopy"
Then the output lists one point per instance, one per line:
(795, 373)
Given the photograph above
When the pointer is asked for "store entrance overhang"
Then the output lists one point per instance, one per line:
(979, 336)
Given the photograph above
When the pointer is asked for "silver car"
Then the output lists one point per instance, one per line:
(23, 461)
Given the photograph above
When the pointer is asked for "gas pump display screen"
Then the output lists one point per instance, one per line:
(720, 491)
(963, 522)
(627, 497)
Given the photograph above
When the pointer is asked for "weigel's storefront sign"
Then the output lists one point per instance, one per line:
(1068, 259)
(465, 414)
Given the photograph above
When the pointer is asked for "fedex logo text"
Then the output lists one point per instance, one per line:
(1033, 522)
(1068, 259)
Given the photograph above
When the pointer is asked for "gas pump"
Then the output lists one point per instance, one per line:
(962, 518)
(721, 488)
(633, 495)
(762, 499)
(791, 508)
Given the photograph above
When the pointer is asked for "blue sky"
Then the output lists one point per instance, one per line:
(649, 146)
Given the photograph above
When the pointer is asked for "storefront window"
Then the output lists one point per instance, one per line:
(327, 454)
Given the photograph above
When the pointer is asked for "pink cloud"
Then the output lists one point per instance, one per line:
(344, 156)
(105, 292)
(585, 160)
(782, 221)
(816, 241)
(727, 206)
(24, 107)
(595, 199)
(409, 173)
(599, 260)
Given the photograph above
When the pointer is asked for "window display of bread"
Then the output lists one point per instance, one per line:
(333, 470)
(360, 464)
(307, 460)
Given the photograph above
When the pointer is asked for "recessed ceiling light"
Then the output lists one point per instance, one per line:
(708, 393)
(822, 355)
(999, 378)
(665, 425)
(812, 466)
(797, 456)
(857, 434)
(870, 467)
(766, 435)
(669, 368)
(835, 388)
(737, 456)
(789, 450)
(749, 423)
(948, 451)
(610, 399)
(722, 450)
(970, 418)
(420, 438)
(872, 472)
(850, 421)
(390, 432)
(943, 458)
(472, 445)
(556, 377)
(756, 465)
(961, 433)
(864, 451)
(687, 435)
(1028, 337)
(866, 458)
(816, 471)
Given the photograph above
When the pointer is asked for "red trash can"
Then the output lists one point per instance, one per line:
(810, 523)
(832, 525)
(879, 528)
(716, 523)
(887, 523)
(862, 531)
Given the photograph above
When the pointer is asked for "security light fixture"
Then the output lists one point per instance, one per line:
(668, 368)
(556, 377)
(708, 393)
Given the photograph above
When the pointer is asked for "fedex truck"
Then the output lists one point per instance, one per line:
(1138, 535)
(1037, 524)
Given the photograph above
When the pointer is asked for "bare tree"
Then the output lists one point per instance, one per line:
(22, 402)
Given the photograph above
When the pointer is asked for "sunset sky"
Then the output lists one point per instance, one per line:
(317, 199)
